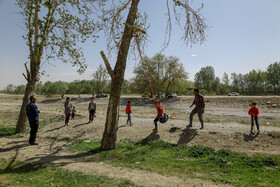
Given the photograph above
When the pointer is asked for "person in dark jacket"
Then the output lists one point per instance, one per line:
(199, 107)
(68, 108)
(32, 113)
(91, 109)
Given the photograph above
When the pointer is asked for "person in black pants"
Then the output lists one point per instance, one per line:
(33, 118)
(91, 110)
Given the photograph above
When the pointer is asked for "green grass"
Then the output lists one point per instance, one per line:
(46, 122)
(22, 174)
(65, 139)
(181, 160)
(8, 126)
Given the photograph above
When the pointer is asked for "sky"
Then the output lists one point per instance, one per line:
(243, 35)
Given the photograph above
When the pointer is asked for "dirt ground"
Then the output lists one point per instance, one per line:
(226, 127)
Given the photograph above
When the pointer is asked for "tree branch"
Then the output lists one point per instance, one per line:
(107, 64)
(25, 76)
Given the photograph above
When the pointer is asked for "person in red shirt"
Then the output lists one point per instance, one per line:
(160, 114)
(254, 113)
(128, 112)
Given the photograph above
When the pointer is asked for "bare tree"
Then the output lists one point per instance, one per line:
(120, 34)
(54, 28)
(100, 79)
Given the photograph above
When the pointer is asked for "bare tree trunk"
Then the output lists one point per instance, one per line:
(111, 126)
(21, 123)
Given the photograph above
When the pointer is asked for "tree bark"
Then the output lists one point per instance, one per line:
(111, 126)
(21, 123)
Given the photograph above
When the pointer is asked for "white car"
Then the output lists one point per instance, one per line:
(172, 95)
(233, 94)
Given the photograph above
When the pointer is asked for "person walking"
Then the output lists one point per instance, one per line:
(199, 108)
(32, 113)
(68, 108)
(128, 112)
(91, 109)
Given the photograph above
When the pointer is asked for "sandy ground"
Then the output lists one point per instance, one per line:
(225, 135)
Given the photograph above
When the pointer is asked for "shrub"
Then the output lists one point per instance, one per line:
(199, 151)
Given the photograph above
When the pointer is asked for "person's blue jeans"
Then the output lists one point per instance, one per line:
(128, 118)
(256, 121)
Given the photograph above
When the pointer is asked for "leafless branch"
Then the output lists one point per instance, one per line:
(107, 64)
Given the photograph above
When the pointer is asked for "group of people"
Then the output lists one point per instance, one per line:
(70, 110)
(33, 112)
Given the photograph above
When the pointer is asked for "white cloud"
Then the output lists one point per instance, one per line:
(194, 55)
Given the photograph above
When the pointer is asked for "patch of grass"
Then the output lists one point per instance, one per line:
(6, 131)
(65, 139)
(187, 161)
(22, 174)
(46, 122)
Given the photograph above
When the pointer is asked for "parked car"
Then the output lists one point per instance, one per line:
(233, 94)
(146, 95)
(101, 95)
(172, 95)
(160, 96)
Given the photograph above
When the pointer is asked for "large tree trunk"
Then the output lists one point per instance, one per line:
(21, 123)
(111, 126)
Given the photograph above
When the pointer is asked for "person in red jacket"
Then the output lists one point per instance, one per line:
(254, 113)
(128, 112)
(160, 114)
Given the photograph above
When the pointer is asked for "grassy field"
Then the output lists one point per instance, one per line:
(181, 160)
(22, 174)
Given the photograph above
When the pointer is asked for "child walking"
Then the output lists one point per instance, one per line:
(73, 112)
(128, 112)
(254, 112)
(159, 115)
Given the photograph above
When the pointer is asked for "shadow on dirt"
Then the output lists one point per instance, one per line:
(248, 138)
(152, 137)
(81, 124)
(187, 136)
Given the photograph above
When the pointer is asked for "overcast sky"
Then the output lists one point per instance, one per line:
(244, 35)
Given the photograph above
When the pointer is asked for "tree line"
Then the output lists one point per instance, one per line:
(252, 83)
(167, 75)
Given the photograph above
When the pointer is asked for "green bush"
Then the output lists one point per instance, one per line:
(199, 151)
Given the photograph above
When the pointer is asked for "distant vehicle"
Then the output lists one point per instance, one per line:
(172, 95)
(101, 95)
(233, 94)
(146, 95)
(160, 96)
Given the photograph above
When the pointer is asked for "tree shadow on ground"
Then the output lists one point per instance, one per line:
(78, 125)
(55, 129)
(19, 167)
(250, 137)
(187, 136)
